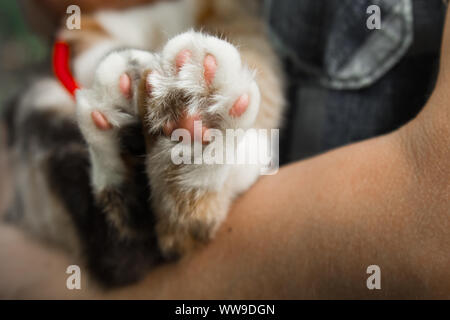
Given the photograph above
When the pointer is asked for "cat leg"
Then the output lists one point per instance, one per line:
(202, 78)
(103, 111)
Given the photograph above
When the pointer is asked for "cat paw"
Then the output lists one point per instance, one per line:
(106, 107)
(178, 240)
(111, 101)
(201, 78)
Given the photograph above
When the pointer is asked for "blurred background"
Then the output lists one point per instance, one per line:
(26, 34)
(21, 49)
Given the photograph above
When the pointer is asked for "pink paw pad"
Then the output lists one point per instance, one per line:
(240, 106)
(187, 123)
(181, 59)
(125, 85)
(100, 121)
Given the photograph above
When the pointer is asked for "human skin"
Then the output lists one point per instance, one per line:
(309, 231)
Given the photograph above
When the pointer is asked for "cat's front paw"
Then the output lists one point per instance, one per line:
(111, 101)
(201, 78)
(109, 105)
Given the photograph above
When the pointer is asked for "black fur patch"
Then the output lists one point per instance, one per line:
(112, 259)
(49, 129)
(8, 118)
(132, 140)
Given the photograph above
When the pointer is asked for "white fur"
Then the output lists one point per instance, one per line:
(107, 167)
(145, 27)
(141, 27)
(85, 64)
(232, 79)
(105, 96)
(46, 94)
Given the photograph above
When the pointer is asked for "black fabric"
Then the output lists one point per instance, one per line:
(322, 33)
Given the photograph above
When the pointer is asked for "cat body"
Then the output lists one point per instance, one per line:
(113, 194)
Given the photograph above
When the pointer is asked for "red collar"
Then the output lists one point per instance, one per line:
(61, 67)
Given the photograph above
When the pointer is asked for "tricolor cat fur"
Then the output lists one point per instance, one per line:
(114, 197)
